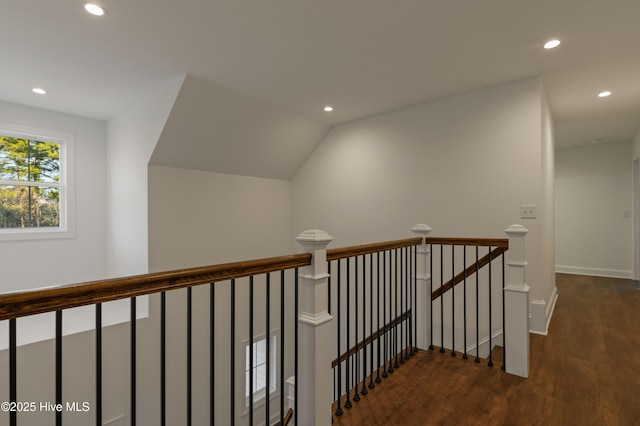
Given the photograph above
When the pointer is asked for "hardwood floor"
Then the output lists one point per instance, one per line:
(586, 371)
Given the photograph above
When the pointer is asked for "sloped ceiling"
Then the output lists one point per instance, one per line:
(212, 128)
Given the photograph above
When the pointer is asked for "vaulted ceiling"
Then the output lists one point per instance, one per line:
(363, 57)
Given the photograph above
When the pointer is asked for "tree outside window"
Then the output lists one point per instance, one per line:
(29, 183)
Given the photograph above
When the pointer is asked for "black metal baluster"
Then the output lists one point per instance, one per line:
(378, 379)
(464, 287)
(392, 345)
(385, 373)
(133, 366)
(268, 359)
(250, 350)
(348, 404)
(441, 298)
(189, 352)
(371, 347)
(13, 370)
(339, 411)
(364, 390)
(403, 298)
(329, 288)
(282, 334)
(98, 364)
(163, 358)
(504, 324)
(59, 366)
(335, 385)
(409, 302)
(399, 323)
(407, 321)
(430, 297)
(414, 314)
(295, 345)
(453, 301)
(477, 310)
(233, 353)
(356, 355)
(490, 314)
(212, 354)
(395, 328)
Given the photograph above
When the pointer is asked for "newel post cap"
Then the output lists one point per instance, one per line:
(421, 229)
(312, 236)
(516, 231)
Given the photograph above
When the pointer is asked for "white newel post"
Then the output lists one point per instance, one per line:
(314, 379)
(423, 303)
(516, 299)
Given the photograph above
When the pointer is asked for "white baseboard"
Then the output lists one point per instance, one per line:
(543, 314)
(496, 339)
(598, 272)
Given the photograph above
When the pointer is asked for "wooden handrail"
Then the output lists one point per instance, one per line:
(343, 253)
(15, 305)
(482, 242)
(469, 271)
(371, 338)
(287, 417)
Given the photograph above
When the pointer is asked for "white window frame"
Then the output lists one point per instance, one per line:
(66, 184)
(259, 395)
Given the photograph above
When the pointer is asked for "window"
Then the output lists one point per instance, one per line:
(260, 369)
(35, 184)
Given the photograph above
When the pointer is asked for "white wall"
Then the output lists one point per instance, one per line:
(463, 165)
(542, 307)
(132, 137)
(593, 206)
(37, 263)
(203, 218)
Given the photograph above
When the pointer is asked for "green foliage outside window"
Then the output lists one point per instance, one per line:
(29, 183)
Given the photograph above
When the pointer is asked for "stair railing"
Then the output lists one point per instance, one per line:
(235, 285)
(476, 302)
(373, 305)
(347, 318)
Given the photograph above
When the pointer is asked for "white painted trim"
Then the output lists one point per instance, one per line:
(598, 272)
(484, 342)
(551, 306)
(273, 394)
(67, 228)
(314, 278)
(537, 316)
(517, 288)
(315, 320)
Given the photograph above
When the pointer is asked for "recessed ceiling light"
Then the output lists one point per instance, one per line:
(328, 108)
(604, 94)
(39, 91)
(551, 44)
(94, 9)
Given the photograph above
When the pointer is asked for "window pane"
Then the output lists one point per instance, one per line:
(29, 207)
(260, 378)
(29, 160)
